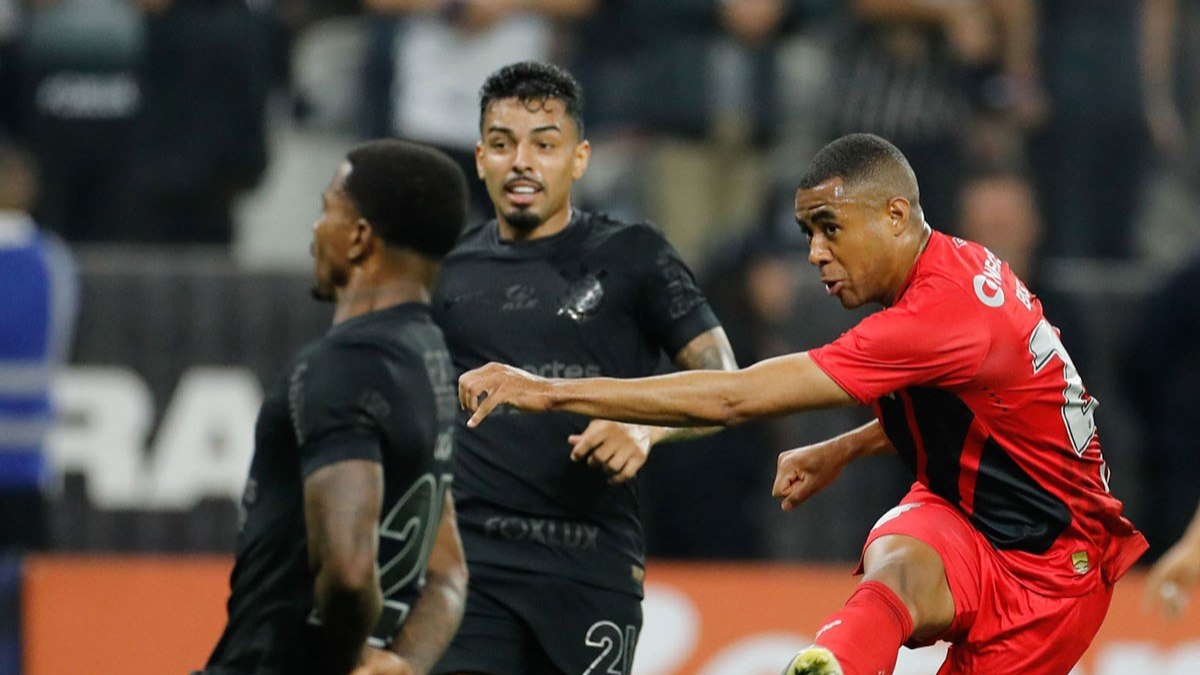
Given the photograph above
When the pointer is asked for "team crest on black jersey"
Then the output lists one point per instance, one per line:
(583, 297)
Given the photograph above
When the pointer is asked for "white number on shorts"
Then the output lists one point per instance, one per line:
(1079, 409)
(617, 647)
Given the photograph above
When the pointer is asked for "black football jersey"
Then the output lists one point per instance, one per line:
(600, 298)
(377, 387)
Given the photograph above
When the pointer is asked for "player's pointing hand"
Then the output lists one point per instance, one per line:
(481, 390)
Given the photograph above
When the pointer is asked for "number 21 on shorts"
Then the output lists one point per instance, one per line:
(616, 648)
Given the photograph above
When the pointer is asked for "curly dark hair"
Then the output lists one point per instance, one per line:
(533, 81)
(413, 195)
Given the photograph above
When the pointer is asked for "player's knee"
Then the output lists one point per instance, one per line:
(914, 572)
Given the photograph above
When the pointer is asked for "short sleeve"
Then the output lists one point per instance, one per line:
(339, 400)
(933, 342)
(670, 302)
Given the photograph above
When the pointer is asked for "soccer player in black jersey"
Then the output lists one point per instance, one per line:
(547, 507)
(348, 555)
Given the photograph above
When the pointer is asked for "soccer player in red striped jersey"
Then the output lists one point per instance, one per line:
(1009, 542)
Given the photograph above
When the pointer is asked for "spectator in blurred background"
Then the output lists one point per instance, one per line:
(702, 78)
(1170, 51)
(926, 74)
(1160, 369)
(38, 288)
(200, 139)
(1170, 67)
(442, 49)
(37, 314)
(998, 208)
(1092, 156)
(73, 96)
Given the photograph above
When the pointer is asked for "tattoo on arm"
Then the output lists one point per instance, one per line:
(708, 351)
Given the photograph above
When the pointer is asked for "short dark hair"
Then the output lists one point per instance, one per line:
(856, 158)
(533, 81)
(413, 195)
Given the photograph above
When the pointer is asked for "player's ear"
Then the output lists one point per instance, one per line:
(898, 212)
(579, 162)
(362, 240)
(479, 159)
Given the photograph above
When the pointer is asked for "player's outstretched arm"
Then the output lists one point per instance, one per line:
(341, 510)
(620, 450)
(773, 387)
(1175, 574)
(803, 472)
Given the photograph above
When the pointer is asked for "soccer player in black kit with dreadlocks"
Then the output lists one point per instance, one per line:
(348, 555)
(555, 546)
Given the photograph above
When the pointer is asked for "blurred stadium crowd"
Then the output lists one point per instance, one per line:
(1060, 133)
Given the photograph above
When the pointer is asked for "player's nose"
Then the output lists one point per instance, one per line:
(523, 158)
(818, 253)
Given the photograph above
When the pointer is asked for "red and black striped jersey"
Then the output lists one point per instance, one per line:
(977, 393)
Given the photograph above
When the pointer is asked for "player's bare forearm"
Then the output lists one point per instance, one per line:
(708, 351)
(347, 615)
(436, 615)
(866, 441)
(774, 387)
(341, 509)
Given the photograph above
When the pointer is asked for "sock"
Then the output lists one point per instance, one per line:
(866, 633)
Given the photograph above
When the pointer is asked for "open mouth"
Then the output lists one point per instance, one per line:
(522, 193)
(833, 287)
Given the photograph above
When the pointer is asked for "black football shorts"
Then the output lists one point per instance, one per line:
(522, 623)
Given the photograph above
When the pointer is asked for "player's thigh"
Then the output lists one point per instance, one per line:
(913, 570)
(1019, 632)
(491, 639)
(962, 551)
(582, 628)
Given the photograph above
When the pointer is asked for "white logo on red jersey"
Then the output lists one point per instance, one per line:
(831, 624)
(894, 513)
(989, 283)
(988, 292)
